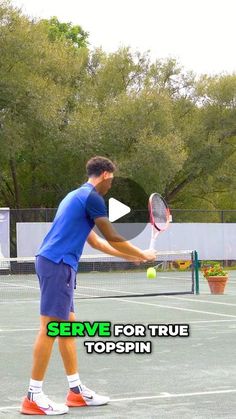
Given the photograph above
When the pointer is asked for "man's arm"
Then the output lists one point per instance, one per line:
(103, 246)
(120, 244)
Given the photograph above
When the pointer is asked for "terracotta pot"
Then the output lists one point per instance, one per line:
(217, 284)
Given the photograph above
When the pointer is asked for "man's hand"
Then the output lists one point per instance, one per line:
(150, 255)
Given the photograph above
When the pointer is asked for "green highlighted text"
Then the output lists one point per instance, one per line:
(79, 329)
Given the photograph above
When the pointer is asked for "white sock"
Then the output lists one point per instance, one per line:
(74, 381)
(35, 387)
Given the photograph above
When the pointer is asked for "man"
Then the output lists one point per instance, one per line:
(56, 267)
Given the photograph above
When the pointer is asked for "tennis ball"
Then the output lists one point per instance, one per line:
(151, 273)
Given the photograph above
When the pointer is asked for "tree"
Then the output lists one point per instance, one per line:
(210, 137)
(37, 81)
(66, 31)
(61, 104)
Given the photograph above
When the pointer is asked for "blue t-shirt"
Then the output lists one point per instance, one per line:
(72, 224)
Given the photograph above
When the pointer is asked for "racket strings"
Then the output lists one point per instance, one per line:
(159, 211)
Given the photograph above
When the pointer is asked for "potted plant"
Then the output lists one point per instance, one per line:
(217, 278)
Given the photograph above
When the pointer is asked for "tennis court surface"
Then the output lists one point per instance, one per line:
(191, 377)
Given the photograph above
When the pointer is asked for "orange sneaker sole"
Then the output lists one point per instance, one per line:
(30, 408)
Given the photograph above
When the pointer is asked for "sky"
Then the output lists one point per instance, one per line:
(200, 34)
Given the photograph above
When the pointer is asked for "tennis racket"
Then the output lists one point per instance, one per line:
(160, 216)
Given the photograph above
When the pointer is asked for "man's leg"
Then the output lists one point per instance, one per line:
(68, 350)
(42, 349)
(78, 395)
(36, 403)
(67, 347)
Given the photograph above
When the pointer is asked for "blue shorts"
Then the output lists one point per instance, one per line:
(57, 282)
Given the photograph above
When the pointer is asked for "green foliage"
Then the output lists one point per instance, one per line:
(61, 104)
(65, 31)
(214, 270)
(37, 80)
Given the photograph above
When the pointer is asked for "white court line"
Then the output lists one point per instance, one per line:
(9, 408)
(160, 396)
(189, 322)
(175, 278)
(108, 289)
(199, 301)
(37, 299)
(19, 301)
(149, 304)
(175, 308)
(169, 395)
(19, 287)
(211, 321)
(19, 330)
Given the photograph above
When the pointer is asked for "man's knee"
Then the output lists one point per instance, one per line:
(44, 320)
(72, 317)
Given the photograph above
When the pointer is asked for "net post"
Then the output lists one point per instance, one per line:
(196, 269)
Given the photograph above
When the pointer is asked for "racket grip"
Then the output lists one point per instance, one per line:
(152, 243)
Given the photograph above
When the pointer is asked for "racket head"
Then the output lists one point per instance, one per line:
(159, 212)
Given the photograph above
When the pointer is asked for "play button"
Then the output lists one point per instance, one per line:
(127, 206)
(117, 209)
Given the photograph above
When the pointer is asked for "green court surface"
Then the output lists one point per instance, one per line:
(183, 378)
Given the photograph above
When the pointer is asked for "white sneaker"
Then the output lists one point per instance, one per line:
(42, 405)
(87, 397)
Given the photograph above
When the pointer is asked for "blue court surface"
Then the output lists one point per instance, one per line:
(183, 377)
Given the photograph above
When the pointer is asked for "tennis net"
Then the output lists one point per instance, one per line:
(102, 276)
